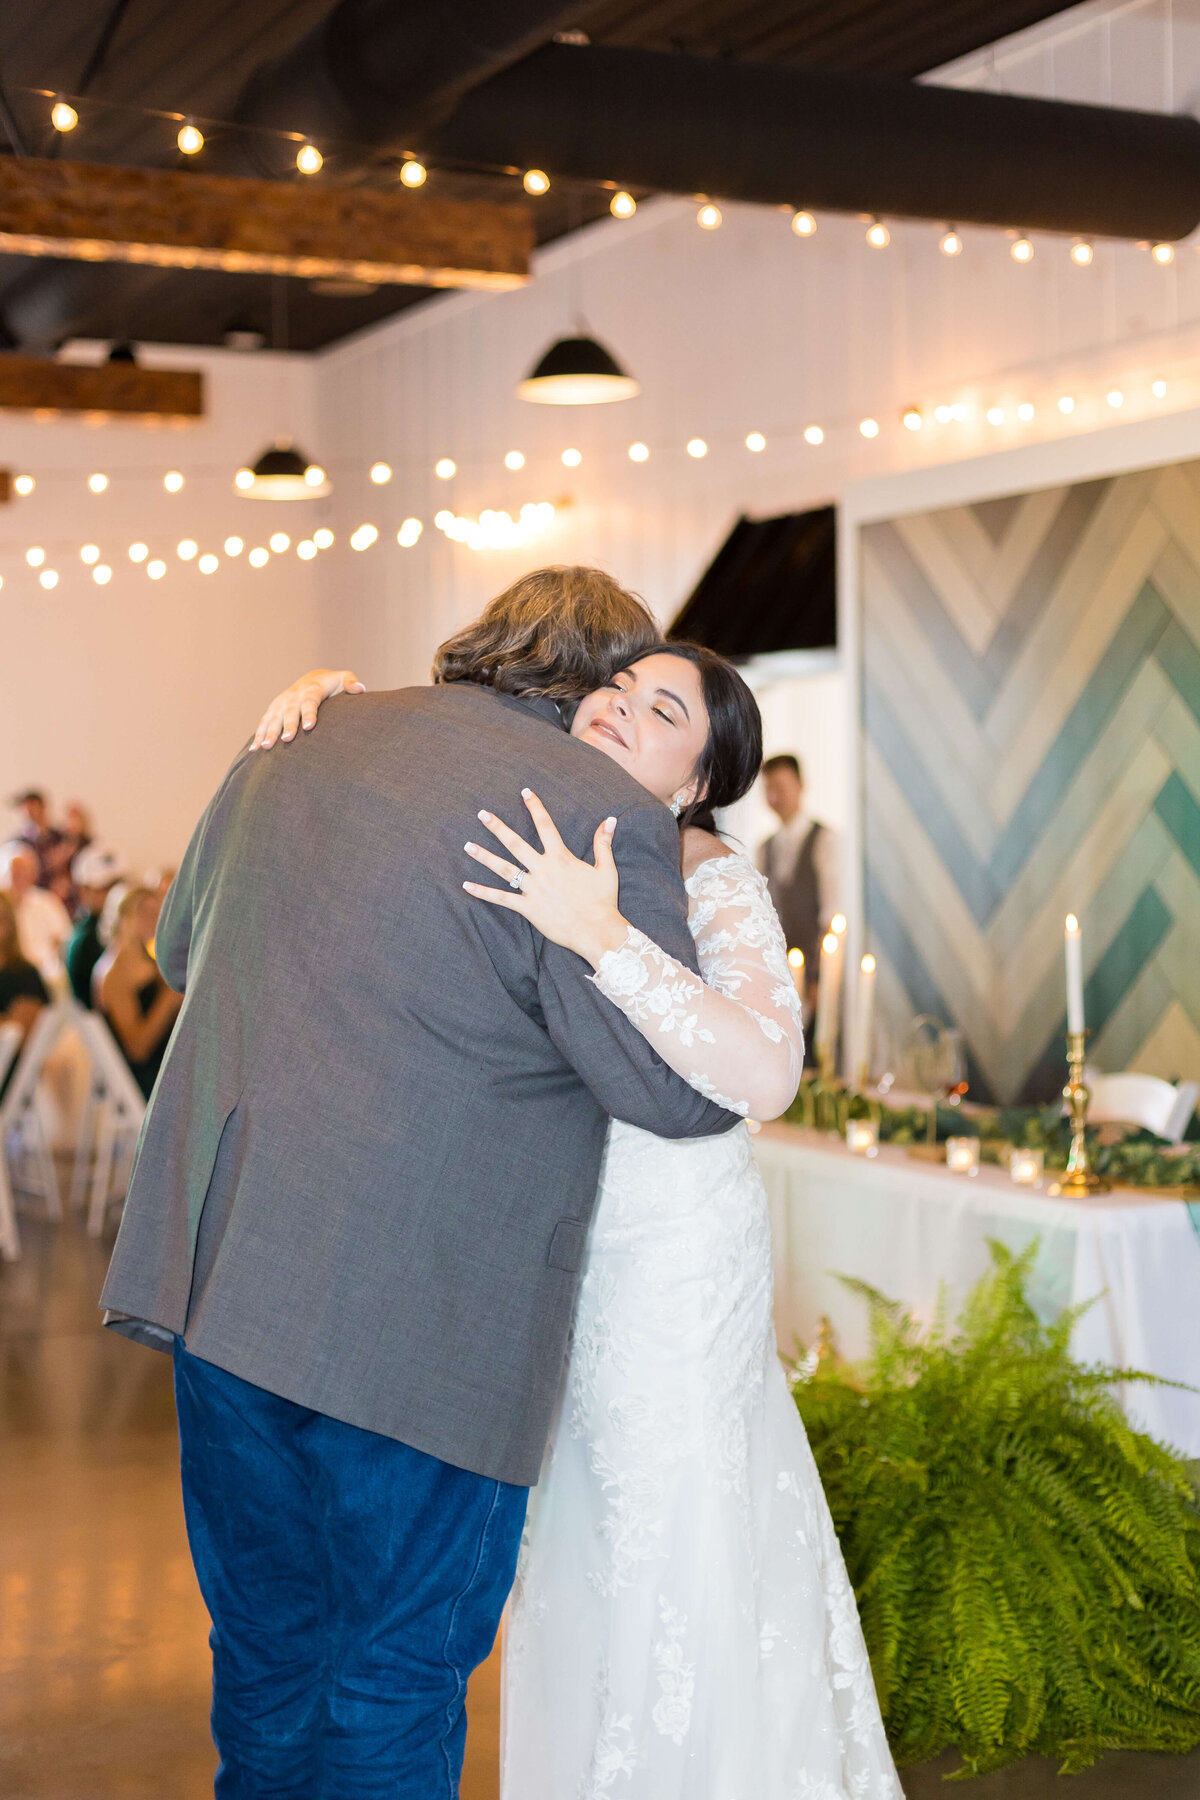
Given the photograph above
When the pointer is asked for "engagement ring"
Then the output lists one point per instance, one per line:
(517, 881)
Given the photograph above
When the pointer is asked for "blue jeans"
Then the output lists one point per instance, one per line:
(353, 1584)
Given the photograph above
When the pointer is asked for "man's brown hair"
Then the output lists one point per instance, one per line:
(558, 632)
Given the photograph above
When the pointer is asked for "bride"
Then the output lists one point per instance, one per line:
(682, 1625)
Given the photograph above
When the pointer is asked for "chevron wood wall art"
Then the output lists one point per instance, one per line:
(1031, 726)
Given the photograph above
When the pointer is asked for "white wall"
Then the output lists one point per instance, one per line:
(134, 697)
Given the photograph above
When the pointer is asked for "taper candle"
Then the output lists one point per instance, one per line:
(829, 985)
(796, 965)
(866, 1015)
(1074, 942)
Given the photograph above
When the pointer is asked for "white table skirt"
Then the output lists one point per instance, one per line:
(906, 1226)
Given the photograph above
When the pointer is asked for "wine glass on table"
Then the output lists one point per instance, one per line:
(939, 1056)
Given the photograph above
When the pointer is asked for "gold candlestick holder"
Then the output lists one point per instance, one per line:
(1078, 1178)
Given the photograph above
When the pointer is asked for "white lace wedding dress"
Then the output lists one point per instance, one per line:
(682, 1627)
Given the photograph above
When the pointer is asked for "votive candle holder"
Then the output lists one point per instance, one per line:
(862, 1137)
(962, 1155)
(1026, 1167)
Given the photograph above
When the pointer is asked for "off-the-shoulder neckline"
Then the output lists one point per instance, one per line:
(709, 861)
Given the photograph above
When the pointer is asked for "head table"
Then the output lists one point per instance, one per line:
(908, 1226)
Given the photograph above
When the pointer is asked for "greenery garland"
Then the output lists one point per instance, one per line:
(1027, 1564)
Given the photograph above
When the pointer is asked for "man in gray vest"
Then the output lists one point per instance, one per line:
(363, 1188)
(800, 862)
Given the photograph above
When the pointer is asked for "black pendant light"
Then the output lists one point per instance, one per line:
(578, 371)
(283, 473)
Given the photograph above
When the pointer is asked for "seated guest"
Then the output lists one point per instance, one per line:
(38, 833)
(94, 873)
(22, 990)
(800, 862)
(75, 836)
(43, 922)
(128, 989)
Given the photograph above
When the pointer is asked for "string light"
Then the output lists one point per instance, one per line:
(445, 468)
(413, 173)
(364, 537)
(309, 160)
(35, 557)
(1082, 253)
(869, 428)
(951, 243)
(1021, 250)
(622, 205)
(234, 546)
(535, 181)
(323, 537)
(514, 460)
(209, 564)
(173, 481)
(1163, 254)
(306, 550)
(803, 224)
(138, 552)
(995, 415)
(63, 116)
(571, 459)
(408, 533)
(494, 530)
(97, 483)
(24, 484)
(259, 557)
(756, 441)
(186, 549)
(380, 472)
(156, 569)
(943, 414)
(244, 479)
(813, 434)
(911, 418)
(878, 235)
(1158, 389)
(709, 217)
(639, 452)
(1066, 403)
(279, 542)
(1025, 410)
(90, 554)
(697, 447)
(1115, 397)
(190, 140)
(314, 476)
(49, 578)
(958, 412)
(102, 574)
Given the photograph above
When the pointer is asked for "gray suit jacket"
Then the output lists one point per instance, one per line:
(367, 1172)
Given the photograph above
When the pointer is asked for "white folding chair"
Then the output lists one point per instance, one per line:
(10, 1237)
(1144, 1100)
(117, 1110)
(24, 1128)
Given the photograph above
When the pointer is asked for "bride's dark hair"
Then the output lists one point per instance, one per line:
(732, 756)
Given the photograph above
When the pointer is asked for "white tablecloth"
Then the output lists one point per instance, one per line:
(905, 1226)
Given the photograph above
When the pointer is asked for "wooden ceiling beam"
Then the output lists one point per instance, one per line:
(95, 212)
(33, 384)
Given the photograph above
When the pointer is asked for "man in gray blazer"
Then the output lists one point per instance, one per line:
(364, 1184)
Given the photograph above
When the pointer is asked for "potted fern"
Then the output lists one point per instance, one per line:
(1027, 1564)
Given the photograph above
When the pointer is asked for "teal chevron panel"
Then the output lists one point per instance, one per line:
(1076, 757)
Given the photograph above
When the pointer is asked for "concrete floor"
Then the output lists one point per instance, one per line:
(104, 1671)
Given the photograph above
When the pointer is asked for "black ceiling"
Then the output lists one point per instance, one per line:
(195, 56)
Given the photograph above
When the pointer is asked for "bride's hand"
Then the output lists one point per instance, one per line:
(298, 704)
(572, 902)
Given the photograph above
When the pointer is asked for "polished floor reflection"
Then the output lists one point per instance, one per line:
(104, 1668)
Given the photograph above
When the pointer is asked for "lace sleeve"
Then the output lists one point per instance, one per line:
(736, 1036)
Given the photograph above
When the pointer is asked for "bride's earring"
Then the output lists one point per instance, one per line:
(677, 805)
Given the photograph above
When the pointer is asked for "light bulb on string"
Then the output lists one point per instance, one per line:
(813, 434)
(364, 537)
(35, 556)
(1066, 403)
(380, 472)
(514, 460)
(234, 546)
(24, 484)
(878, 235)
(323, 537)
(190, 139)
(445, 468)
(208, 564)
(995, 415)
(102, 574)
(314, 476)
(1115, 398)
(97, 483)
(1163, 254)
(186, 549)
(306, 550)
(244, 479)
(803, 223)
(90, 554)
(911, 418)
(535, 181)
(1021, 250)
(173, 481)
(309, 160)
(49, 578)
(639, 453)
(1025, 411)
(943, 414)
(622, 205)
(571, 459)
(869, 428)
(408, 533)
(1158, 389)
(156, 569)
(63, 116)
(951, 243)
(279, 542)
(697, 447)
(1082, 253)
(259, 557)
(413, 173)
(138, 552)
(756, 441)
(709, 216)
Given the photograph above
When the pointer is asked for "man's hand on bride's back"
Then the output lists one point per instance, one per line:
(297, 706)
